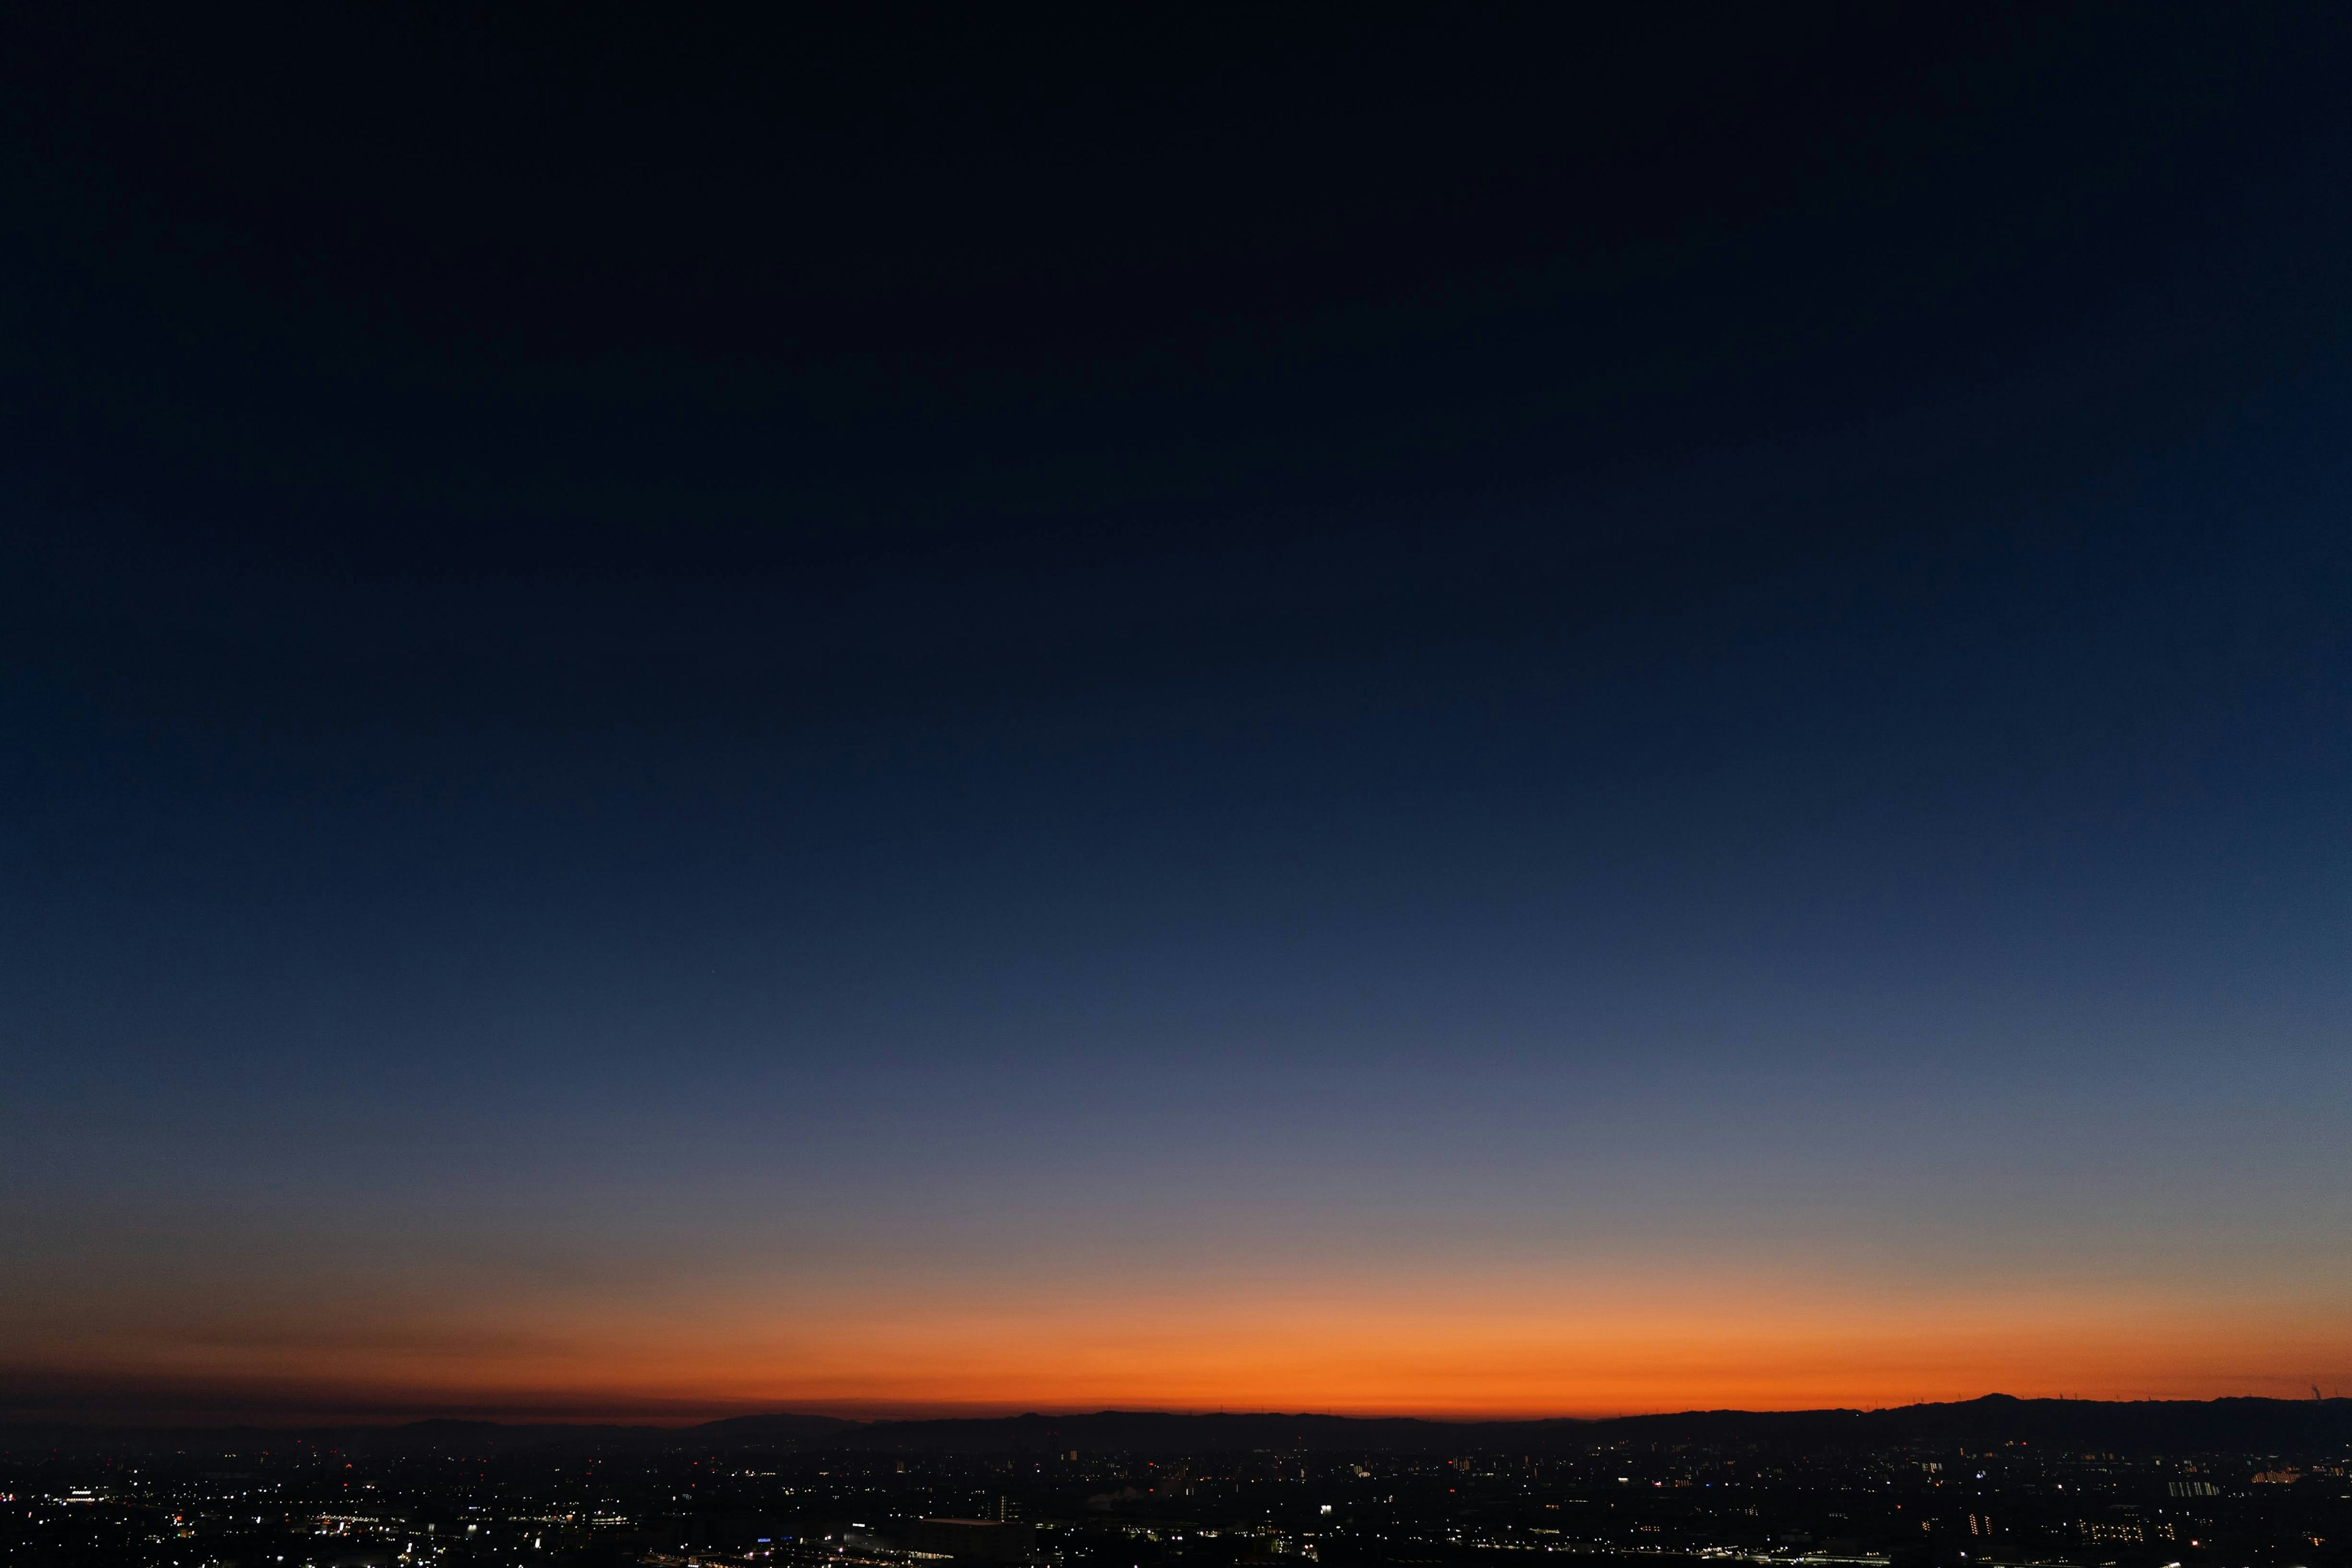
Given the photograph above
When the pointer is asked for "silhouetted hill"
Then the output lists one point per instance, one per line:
(2253, 1425)
(2241, 1425)
(1152, 1431)
(771, 1428)
(2232, 1426)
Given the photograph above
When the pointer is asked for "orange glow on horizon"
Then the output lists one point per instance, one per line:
(1489, 1357)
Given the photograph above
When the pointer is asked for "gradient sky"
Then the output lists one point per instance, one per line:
(1549, 718)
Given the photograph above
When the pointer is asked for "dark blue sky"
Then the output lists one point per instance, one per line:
(1518, 718)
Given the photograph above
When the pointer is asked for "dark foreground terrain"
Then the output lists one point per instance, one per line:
(2224, 1484)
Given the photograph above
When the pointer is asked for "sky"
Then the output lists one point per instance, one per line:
(1522, 715)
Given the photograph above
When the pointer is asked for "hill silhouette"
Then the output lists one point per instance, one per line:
(2251, 1426)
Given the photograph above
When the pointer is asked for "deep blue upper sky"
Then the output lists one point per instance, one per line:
(1017, 669)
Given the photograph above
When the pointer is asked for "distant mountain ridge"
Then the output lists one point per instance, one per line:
(2232, 1425)
(2241, 1424)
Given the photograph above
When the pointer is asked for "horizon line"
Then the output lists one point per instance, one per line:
(395, 1421)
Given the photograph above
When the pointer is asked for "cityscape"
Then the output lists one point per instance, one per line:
(2233, 1484)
